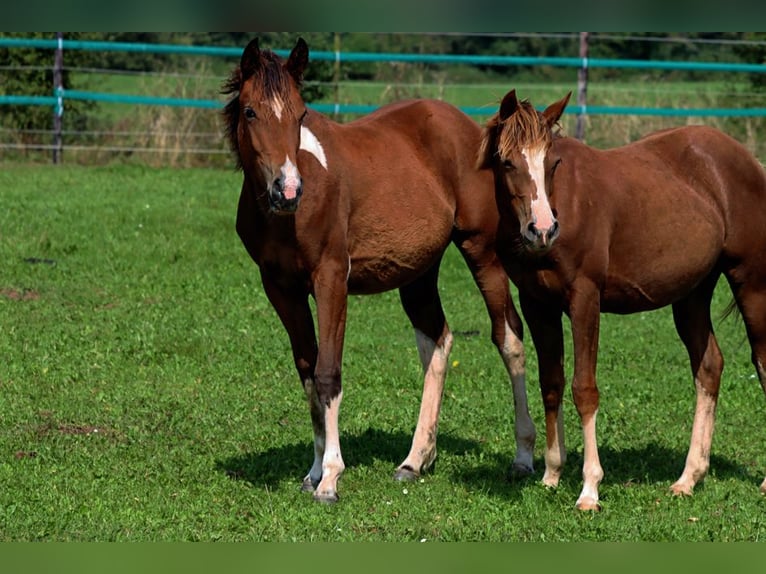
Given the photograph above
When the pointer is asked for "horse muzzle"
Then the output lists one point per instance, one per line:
(538, 240)
(285, 194)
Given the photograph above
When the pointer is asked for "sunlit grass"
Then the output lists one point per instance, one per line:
(147, 392)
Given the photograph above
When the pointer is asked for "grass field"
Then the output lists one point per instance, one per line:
(147, 393)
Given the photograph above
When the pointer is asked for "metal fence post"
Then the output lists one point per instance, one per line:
(58, 92)
(582, 87)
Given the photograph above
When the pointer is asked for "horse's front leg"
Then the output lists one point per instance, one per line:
(545, 328)
(293, 310)
(330, 292)
(585, 314)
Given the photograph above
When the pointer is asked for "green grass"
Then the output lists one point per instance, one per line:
(147, 393)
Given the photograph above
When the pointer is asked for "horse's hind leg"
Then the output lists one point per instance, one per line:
(507, 333)
(692, 320)
(422, 304)
(751, 299)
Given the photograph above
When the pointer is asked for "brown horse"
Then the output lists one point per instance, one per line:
(625, 230)
(327, 210)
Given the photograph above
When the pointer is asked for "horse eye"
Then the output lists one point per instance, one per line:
(508, 164)
(303, 116)
(249, 113)
(555, 165)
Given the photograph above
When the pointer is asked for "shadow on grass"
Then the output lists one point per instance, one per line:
(276, 464)
(649, 465)
(485, 472)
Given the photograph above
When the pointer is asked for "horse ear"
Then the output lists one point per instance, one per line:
(553, 112)
(488, 143)
(508, 105)
(298, 60)
(251, 59)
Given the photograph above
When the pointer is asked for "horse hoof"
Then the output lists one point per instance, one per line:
(681, 490)
(326, 497)
(309, 485)
(519, 470)
(405, 474)
(588, 504)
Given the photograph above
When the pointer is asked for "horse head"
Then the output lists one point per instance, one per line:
(264, 122)
(515, 143)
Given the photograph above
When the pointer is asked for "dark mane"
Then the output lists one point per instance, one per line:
(272, 79)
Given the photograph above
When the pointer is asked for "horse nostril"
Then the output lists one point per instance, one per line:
(532, 229)
(553, 232)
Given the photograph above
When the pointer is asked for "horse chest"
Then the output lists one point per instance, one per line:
(542, 283)
(285, 262)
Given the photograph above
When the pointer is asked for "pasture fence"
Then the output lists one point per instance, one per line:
(184, 141)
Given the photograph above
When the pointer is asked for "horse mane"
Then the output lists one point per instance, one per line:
(274, 80)
(524, 128)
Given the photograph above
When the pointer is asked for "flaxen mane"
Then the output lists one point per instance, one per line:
(523, 128)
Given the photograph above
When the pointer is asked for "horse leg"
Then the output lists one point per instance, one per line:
(548, 338)
(751, 300)
(422, 304)
(585, 316)
(294, 312)
(507, 335)
(692, 319)
(330, 292)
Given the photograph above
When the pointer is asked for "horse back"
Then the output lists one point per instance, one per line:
(653, 218)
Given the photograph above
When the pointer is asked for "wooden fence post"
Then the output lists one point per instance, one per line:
(582, 87)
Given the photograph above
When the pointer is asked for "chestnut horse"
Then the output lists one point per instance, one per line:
(639, 227)
(327, 210)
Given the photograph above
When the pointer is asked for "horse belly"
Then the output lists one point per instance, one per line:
(644, 289)
(389, 260)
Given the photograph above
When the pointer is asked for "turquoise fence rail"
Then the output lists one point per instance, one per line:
(366, 109)
(235, 52)
(59, 96)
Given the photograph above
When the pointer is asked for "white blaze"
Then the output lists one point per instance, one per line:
(277, 106)
(292, 178)
(542, 215)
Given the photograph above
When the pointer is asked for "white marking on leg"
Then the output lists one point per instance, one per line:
(332, 461)
(292, 178)
(542, 215)
(592, 472)
(434, 359)
(555, 450)
(698, 457)
(514, 359)
(311, 144)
